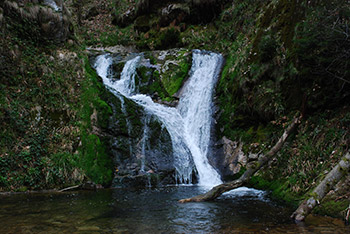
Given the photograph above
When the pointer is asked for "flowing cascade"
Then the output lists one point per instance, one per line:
(195, 108)
(188, 124)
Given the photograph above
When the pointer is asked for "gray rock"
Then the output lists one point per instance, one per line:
(41, 23)
(232, 156)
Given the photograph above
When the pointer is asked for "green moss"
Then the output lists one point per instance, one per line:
(174, 77)
(279, 189)
(94, 158)
(332, 208)
(157, 86)
(165, 84)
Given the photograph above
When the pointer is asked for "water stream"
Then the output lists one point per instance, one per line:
(153, 211)
(188, 124)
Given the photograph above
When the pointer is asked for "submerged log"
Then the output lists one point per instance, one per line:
(322, 189)
(251, 170)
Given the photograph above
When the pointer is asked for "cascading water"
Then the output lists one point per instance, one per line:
(195, 108)
(188, 124)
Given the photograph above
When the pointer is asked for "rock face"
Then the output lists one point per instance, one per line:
(230, 157)
(140, 145)
(171, 11)
(47, 23)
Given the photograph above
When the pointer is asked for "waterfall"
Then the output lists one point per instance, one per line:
(188, 124)
(195, 108)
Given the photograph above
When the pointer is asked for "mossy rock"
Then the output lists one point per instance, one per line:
(165, 81)
(117, 68)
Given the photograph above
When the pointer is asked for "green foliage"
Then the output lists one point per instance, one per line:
(280, 189)
(321, 50)
(312, 152)
(267, 48)
(38, 102)
(119, 36)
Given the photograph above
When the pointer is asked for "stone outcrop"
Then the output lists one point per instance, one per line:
(230, 157)
(141, 147)
(41, 21)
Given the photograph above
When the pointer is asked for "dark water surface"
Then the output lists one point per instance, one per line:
(152, 211)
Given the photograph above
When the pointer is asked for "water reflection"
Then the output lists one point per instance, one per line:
(152, 211)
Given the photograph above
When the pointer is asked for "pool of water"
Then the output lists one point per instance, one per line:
(153, 211)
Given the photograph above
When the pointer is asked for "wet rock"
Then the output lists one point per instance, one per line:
(90, 186)
(232, 158)
(145, 179)
(167, 103)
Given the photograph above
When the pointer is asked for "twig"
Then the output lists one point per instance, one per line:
(341, 197)
(70, 188)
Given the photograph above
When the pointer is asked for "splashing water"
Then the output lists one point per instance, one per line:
(188, 124)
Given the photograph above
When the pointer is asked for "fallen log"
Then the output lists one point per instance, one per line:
(322, 189)
(251, 170)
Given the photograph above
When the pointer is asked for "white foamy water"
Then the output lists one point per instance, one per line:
(52, 4)
(188, 124)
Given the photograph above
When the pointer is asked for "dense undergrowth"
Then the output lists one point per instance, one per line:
(39, 103)
(48, 95)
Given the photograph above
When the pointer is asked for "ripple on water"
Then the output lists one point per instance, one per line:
(153, 211)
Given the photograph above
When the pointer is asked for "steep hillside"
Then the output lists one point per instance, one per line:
(48, 95)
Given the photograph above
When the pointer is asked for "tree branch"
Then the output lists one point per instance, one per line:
(322, 189)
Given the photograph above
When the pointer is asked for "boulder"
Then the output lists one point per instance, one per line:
(232, 157)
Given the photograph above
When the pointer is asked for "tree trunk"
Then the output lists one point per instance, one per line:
(322, 189)
(251, 170)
